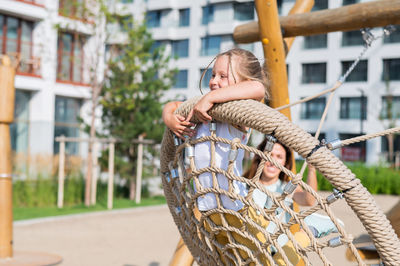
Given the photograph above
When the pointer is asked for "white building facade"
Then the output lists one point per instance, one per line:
(195, 31)
(52, 40)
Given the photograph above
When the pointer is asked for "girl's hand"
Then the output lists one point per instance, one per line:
(180, 126)
(200, 110)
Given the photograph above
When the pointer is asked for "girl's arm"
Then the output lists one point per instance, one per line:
(302, 197)
(248, 89)
(175, 122)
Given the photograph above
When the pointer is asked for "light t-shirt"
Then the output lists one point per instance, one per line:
(202, 160)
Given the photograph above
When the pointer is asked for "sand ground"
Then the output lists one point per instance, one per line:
(134, 237)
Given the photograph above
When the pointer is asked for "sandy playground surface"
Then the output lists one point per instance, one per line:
(133, 237)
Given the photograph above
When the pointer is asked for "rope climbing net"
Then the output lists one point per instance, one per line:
(259, 234)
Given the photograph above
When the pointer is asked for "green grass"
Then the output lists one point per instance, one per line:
(23, 213)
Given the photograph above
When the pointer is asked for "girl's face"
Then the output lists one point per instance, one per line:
(222, 75)
(270, 172)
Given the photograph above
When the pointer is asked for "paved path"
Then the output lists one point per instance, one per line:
(132, 237)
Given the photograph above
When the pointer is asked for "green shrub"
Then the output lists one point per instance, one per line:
(377, 179)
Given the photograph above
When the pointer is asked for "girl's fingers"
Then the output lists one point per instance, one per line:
(180, 118)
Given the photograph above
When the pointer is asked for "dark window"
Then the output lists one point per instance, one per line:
(320, 4)
(66, 122)
(312, 109)
(359, 73)
(314, 73)
(153, 19)
(208, 14)
(210, 45)
(316, 41)
(391, 69)
(394, 36)
(349, 2)
(320, 137)
(353, 108)
(207, 76)
(243, 11)
(385, 143)
(16, 42)
(70, 57)
(279, 3)
(20, 128)
(352, 38)
(72, 8)
(181, 79)
(352, 152)
(390, 107)
(184, 17)
(180, 48)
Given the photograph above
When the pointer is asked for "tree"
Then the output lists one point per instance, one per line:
(138, 74)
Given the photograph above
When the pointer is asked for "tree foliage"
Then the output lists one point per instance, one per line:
(131, 98)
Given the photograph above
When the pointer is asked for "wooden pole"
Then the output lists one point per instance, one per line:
(61, 173)
(347, 18)
(95, 173)
(7, 98)
(139, 169)
(110, 188)
(274, 52)
(298, 8)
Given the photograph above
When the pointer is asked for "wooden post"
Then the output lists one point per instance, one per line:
(274, 52)
(95, 172)
(7, 98)
(139, 169)
(347, 18)
(110, 188)
(61, 173)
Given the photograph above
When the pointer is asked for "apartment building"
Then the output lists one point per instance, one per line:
(195, 31)
(50, 40)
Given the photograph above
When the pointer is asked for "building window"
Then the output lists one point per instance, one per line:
(72, 8)
(66, 122)
(16, 42)
(316, 41)
(126, 1)
(349, 2)
(385, 144)
(352, 38)
(210, 45)
(181, 79)
(207, 76)
(180, 48)
(320, 5)
(391, 69)
(124, 22)
(20, 128)
(312, 109)
(184, 17)
(243, 11)
(359, 73)
(70, 57)
(390, 107)
(314, 73)
(353, 152)
(208, 14)
(353, 108)
(394, 37)
(153, 19)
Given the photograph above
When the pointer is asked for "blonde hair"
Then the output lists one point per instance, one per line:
(247, 67)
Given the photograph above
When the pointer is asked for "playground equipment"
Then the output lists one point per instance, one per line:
(178, 179)
(7, 256)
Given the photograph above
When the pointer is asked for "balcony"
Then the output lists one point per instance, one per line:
(28, 9)
(25, 66)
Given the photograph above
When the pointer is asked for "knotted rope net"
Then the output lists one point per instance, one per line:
(221, 236)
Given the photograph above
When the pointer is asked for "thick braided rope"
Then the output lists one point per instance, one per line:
(253, 115)
(370, 136)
